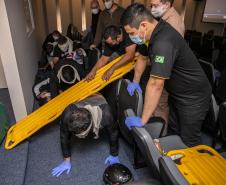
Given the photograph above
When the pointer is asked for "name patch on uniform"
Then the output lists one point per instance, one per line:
(159, 59)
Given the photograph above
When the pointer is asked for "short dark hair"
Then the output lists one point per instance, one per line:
(170, 1)
(112, 31)
(68, 73)
(79, 120)
(62, 40)
(55, 32)
(135, 14)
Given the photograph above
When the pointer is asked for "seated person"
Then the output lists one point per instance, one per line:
(66, 73)
(61, 50)
(44, 88)
(52, 38)
(116, 41)
(47, 57)
(85, 119)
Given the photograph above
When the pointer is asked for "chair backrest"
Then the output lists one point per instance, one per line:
(169, 173)
(209, 71)
(125, 101)
(146, 144)
(210, 122)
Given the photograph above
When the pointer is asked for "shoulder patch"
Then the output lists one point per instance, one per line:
(159, 59)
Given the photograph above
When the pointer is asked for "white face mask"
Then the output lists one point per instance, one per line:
(64, 47)
(55, 37)
(95, 11)
(108, 4)
(159, 11)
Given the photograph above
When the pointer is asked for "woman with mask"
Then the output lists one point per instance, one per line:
(110, 16)
(95, 9)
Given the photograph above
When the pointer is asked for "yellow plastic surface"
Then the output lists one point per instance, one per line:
(53, 109)
(201, 165)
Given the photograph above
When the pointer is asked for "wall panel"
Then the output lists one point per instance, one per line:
(51, 15)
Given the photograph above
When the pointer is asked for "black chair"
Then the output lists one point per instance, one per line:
(170, 175)
(125, 101)
(221, 62)
(143, 138)
(209, 71)
(207, 48)
(195, 42)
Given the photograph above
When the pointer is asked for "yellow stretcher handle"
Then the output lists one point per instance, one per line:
(54, 108)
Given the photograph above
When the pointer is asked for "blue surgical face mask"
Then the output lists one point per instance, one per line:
(137, 39)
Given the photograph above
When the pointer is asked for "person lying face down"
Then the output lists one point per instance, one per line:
(85, 119)
(116, 41)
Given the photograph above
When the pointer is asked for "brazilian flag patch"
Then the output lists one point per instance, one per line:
(159, 59)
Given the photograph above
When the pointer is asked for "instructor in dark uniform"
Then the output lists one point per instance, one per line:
(174, 66)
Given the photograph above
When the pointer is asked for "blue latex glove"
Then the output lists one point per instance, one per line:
(132, 87)
(64, 166)
(111, 160)
(133, 121)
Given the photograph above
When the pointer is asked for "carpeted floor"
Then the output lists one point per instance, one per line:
(31, 164)
(87, 159)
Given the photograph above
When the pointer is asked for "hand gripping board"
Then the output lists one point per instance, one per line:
(201, 165)
(54, 108)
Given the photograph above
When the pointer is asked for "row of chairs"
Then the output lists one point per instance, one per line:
(163, 167)
(208, 47)
(212, 123)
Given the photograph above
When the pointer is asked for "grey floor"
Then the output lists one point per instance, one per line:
(43, 153)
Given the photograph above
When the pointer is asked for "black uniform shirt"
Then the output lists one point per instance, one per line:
(173, 60)
(120, 48)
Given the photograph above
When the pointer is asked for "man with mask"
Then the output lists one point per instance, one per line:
(95, 8)
(164, 9)
(52, 39)
(85, 119)
(61, 50)
(159, 9)
(110, 16)
(174, 66)
(116, 41)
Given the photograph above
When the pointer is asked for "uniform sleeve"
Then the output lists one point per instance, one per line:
(65, 134)
(112, 129)
(163, 56)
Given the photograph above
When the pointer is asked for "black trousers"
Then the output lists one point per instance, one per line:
(186, 121)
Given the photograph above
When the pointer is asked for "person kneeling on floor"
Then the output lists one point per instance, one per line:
(85, 119)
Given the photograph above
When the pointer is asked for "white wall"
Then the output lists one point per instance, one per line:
(2, 76)
(40, 22)
(9, 62)
(26, 50)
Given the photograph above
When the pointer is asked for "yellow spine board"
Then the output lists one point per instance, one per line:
(54, 108)
(201, 165)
